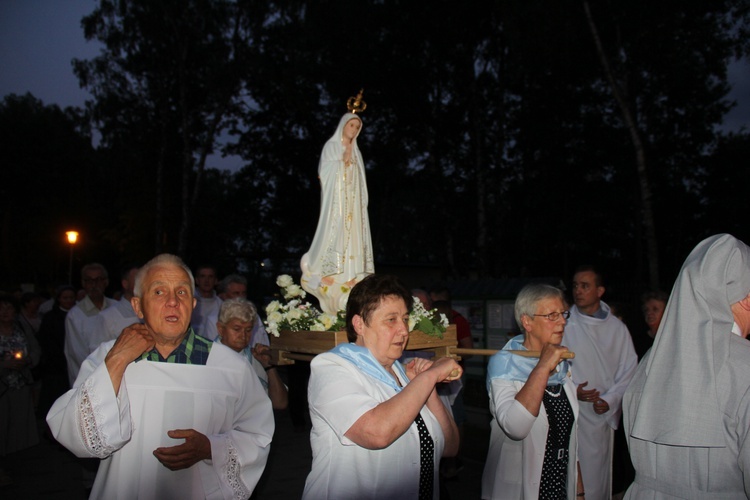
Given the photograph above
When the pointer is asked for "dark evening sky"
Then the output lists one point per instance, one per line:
(38, 39)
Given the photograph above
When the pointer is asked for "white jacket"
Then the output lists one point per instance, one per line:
(513, 469)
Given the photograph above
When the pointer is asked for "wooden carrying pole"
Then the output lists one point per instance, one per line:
(489, 352)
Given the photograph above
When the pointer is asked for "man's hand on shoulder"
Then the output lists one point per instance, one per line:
(132, 342)
(196, 447)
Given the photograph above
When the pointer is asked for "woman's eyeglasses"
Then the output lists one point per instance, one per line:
(554, 316)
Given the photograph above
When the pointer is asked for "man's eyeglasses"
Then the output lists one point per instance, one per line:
(555, 315)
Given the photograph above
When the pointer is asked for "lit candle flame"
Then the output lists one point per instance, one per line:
(18, 355)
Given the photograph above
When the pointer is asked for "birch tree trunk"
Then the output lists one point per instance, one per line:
(649, 224)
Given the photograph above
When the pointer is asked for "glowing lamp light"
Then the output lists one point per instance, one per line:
(72, 239)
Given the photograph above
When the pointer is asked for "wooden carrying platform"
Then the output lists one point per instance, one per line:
(303, 346)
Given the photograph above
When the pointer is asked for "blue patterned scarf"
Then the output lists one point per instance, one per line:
(508, 366)
(363, 359)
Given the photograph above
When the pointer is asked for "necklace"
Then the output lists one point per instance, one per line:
(554, 395)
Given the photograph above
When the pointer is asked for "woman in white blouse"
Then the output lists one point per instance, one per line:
(379, 427)
(533, 449)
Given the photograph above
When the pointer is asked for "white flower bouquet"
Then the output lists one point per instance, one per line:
(295, 315)
(430, 322)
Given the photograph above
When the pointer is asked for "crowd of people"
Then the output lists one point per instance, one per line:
(171, 388)
(685, 407)
(73, 350)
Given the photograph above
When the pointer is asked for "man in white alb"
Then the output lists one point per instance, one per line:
(208, 302)
(605, 363)
(121, 314)
(83, 325)
(171, 414)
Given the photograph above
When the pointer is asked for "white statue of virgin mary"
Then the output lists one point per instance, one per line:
(341, 251)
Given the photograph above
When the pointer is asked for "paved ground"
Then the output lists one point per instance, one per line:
(46, 471)
(49, 472)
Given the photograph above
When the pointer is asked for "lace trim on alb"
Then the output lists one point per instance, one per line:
(89, 413)
(232, 473)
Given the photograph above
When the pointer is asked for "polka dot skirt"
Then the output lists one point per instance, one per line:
(426, 460)
(555, 466)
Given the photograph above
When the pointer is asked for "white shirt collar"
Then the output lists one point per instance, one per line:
(736, 329)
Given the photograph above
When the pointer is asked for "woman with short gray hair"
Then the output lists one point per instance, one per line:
(533, 442)
(235, 327)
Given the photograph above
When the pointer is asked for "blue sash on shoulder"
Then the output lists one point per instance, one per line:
(508, 366)
(366, 362)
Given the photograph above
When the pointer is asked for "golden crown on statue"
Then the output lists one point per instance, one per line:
(356, 104)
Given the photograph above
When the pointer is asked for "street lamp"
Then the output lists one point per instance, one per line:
(72, 239)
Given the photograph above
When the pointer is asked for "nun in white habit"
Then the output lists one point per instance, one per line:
(341, 251)
(687, 410)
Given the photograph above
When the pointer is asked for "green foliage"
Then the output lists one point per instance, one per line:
(493, 143)
(49, 183)
(425, 325)
(168, 82)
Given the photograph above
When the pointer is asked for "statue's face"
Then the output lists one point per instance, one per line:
(351, 129)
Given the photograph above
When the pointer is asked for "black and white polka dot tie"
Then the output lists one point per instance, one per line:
(426, 460)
